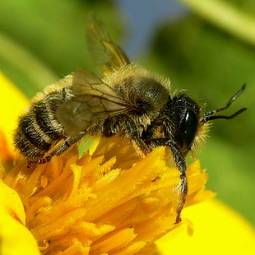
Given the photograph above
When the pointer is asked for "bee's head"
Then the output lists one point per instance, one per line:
(187, 118)
(185, 115)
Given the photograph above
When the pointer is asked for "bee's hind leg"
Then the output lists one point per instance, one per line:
(68, 142)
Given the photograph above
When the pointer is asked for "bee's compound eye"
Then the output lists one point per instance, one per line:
(188, 128)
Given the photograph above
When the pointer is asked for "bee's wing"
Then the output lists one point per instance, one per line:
(91, 102)
(103, 50)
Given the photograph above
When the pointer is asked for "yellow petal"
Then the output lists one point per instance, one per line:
(15, 237)
(12, 104)
(10, 203)
(217, 230)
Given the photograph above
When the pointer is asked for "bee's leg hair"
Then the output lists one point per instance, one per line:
(68, 142)
(181, 165)
(134, 135)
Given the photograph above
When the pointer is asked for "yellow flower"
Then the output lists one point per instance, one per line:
(15, 238)
(106, 202)
(12, 103)
(217, 229)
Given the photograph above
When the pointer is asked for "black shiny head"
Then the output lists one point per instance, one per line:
(186, 118)
(185, 115)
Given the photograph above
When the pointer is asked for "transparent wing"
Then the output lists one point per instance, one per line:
(91, 102)
(103, 50)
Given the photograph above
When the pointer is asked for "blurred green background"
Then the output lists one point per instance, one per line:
(206, 47)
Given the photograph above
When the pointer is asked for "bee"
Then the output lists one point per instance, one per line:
(122, 99)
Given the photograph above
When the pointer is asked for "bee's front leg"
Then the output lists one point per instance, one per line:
(117, 124)
(134, 134)
(181, 165)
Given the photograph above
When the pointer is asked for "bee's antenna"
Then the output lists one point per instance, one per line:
(226, 117)
(211, 115)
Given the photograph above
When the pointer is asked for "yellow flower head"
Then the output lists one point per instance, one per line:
(110, 202)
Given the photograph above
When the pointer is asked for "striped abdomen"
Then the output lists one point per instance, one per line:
(38, 130)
